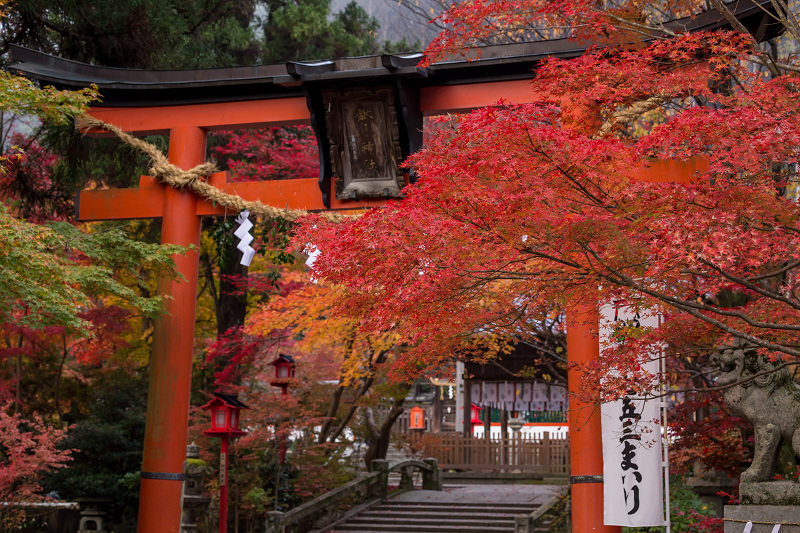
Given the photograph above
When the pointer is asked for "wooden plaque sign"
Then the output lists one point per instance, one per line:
(365, 146)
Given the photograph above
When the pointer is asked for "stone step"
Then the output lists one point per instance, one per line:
(422, 520)
(436, 517)
(439, 514)
(493, 505)
(426, 528)
(470, 514)
(454, 508)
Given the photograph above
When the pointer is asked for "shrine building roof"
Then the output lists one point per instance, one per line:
(133, 87)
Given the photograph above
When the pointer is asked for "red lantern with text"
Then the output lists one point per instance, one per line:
(224, 410)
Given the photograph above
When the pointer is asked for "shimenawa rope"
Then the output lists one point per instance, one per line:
(194, 178)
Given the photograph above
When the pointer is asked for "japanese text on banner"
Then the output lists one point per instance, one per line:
(632, 474)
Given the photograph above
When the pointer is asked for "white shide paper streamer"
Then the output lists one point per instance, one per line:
(243, 233)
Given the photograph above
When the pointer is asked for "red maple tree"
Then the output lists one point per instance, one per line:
(563, 213)
(29, 450)
(522, 209)
(269, 153)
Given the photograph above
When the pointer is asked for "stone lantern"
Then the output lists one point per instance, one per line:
(92, 515)
(516, 423)
(194, 472)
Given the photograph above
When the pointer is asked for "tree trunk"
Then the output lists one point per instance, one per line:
(379, 437)
(337, 394)
(332, 410)
(231, 308)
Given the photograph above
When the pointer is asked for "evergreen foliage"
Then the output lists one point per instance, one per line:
(107, 440)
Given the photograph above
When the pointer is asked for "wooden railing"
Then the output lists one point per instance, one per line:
(523, 452)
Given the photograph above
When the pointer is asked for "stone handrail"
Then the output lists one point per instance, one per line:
(530, 522)
(431, 475)
(333, 505)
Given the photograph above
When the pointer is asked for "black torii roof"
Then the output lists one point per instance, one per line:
(133, 87)
(284, 357)
(229, 400)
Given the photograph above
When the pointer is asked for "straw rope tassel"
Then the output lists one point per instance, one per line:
(194, 178)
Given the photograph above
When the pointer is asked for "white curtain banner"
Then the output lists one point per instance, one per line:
(489, 394)
(505, 393)
(633, 486)
(526, 396)
(539, 392)
(476, 392)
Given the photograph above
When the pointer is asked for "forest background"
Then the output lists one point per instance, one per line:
(567, 224)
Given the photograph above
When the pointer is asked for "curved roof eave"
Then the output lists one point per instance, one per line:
(130, 87)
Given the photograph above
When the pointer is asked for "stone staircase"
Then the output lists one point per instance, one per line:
(435, 517)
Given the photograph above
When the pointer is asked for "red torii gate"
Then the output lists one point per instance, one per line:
(188, 105)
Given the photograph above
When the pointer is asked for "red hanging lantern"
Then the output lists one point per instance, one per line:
(284, 375)
(284, 370)
(224, 410)
(224, 416)
(416, 418)
(476, 415)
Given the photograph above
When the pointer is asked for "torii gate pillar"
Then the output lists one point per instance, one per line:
(585, 446)
(583, 346)
(171, 360)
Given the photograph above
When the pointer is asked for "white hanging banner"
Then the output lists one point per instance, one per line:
(633, 488)
(527, 396)
(489, 394)
(558, 399)
(540, 396)
(505, 394)
(476, 392)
